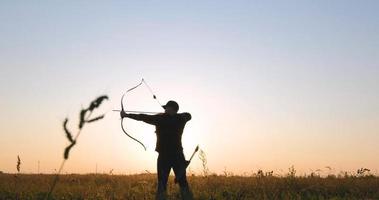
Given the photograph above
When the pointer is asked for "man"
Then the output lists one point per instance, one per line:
(169, 130)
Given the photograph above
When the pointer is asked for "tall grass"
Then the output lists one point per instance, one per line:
(256, 186)
(204, 162)
(16, 176)
(360, 184)
(84, 118)
(18, 164)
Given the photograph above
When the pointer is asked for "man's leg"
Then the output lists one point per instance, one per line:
(163, 171)
(179, 166)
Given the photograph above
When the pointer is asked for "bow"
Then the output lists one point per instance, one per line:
(123, 109)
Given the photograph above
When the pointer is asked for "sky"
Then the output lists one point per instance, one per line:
(269, 84)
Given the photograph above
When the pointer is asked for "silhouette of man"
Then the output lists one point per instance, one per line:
(169, 129)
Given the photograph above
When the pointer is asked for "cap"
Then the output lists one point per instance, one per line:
(172, 104)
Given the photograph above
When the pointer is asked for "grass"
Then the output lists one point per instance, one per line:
(143, 186)
(84, 118)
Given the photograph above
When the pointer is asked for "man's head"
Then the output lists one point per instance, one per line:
(171, 107)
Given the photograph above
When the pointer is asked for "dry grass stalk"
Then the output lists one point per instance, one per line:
(84, 117)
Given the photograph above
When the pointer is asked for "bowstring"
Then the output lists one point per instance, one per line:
(151, 91)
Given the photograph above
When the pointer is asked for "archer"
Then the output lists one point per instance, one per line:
(169, 130)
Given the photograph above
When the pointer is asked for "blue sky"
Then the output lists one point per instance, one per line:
(282, 77)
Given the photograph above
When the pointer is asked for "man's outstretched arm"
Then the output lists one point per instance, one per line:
(150, 119)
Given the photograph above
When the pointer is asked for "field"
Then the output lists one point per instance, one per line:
(142, 186)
